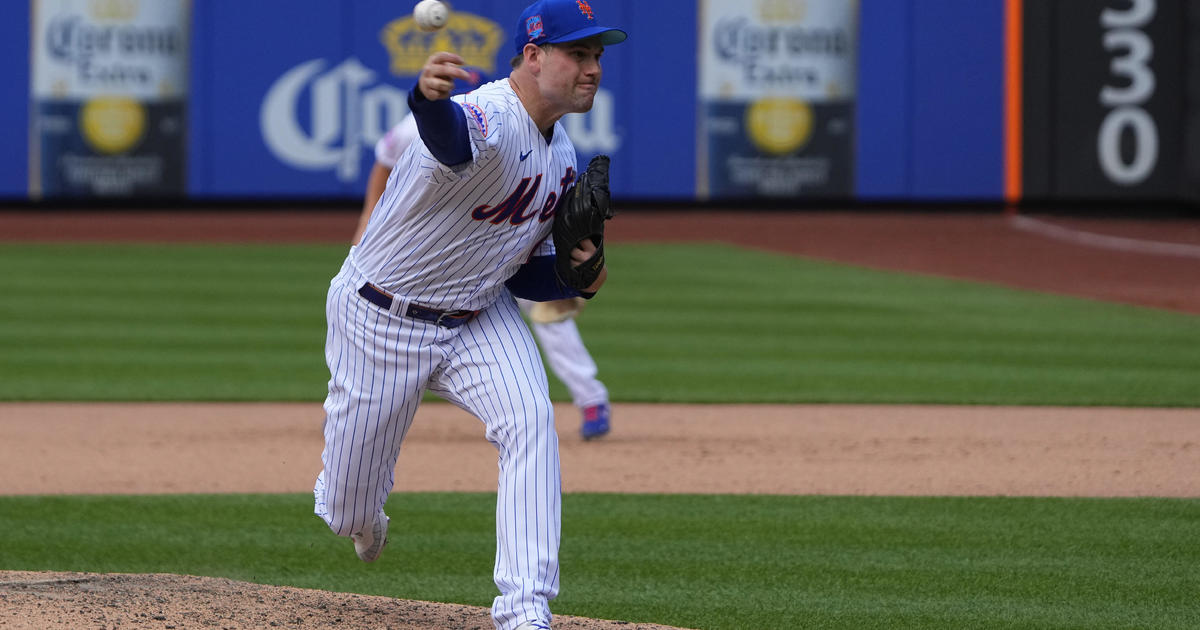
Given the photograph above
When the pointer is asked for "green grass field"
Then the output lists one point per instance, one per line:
(719, 562)
(677, 323)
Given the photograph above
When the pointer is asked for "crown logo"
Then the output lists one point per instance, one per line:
(476, 39)
(782, 10)
(113, 10)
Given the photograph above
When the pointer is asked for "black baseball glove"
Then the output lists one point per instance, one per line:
(581, 215)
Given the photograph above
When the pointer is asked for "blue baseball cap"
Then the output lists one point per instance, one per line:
(558, 21)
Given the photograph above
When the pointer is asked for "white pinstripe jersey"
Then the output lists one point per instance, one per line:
(449, 238)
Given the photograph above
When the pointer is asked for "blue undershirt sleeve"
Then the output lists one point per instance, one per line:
(536, 281)
(443, 127)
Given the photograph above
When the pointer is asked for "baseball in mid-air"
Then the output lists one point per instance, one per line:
(431, 15)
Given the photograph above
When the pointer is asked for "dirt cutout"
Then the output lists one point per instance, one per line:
(74, 601)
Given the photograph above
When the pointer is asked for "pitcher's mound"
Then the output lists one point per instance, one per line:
(45, 601)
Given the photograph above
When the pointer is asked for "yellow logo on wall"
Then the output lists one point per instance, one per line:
(476, 39)
(112, 125)
(114, 10)
(782, 10)
(779, 126)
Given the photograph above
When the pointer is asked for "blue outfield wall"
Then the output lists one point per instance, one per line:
(929, 114)
(14, 107)
(884, 114)
(957, 99)
(931, 100)
(238, 50)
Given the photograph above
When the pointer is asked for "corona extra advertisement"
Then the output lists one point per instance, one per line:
(325, 115)
(776, 98)
(109, 96)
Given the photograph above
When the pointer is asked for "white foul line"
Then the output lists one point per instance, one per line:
(1118, 243)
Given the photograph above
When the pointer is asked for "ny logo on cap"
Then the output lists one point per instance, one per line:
(585, 9)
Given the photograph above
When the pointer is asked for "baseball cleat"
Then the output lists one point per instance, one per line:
(595, 421)
(369, 543)
(532, 625)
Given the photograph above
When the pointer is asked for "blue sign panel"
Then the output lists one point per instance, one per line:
(14, 117)
(295, 111)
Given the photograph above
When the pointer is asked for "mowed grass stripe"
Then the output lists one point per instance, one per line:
(714, 562)
(678, 323)
(165, 322)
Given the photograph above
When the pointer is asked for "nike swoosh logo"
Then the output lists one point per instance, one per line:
(526, 154)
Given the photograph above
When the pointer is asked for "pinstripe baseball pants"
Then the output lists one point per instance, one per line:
(381, 363)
